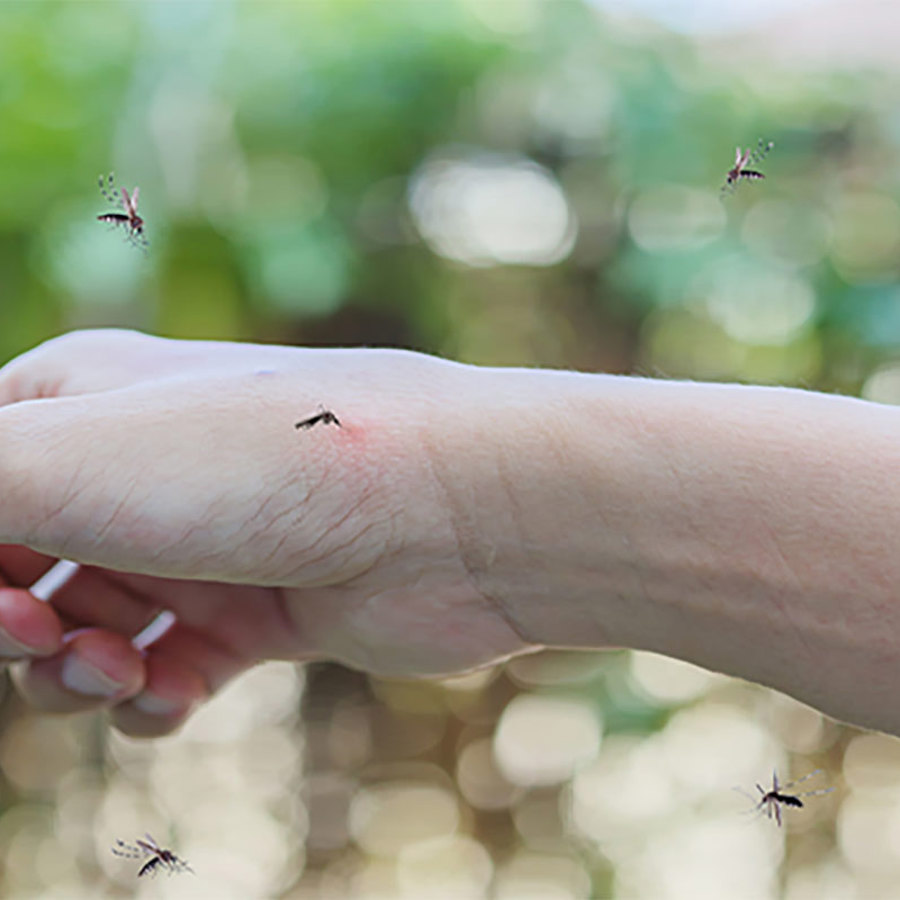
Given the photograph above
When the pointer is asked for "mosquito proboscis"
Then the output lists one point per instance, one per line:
(156, 857)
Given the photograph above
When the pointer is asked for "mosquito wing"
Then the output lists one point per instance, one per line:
(126, 203)
(134, 199)
(150, 847)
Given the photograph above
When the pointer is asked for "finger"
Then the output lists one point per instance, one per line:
(27, 626)
(87, 597)
(172, 690)
(102, 359)
(125, 482)
(78, 363)
(130, 604)
(20, 566)
(95, 668)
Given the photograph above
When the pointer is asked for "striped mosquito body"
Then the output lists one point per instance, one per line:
(129, 218)
(743, 159)
(156, 857)
(779, 795)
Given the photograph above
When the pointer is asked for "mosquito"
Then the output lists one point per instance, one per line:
(778, 795)
(132, 222)
(159, 858)
(742, 159)
(325, 416)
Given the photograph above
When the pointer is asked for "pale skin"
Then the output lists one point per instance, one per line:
(455, 517)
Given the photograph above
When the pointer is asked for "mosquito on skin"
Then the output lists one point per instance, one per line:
(780, 795)
(325, 416)
(159, 858)
(742, 159)
(132, 222)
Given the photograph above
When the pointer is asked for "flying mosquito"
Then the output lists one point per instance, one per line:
(778, 795)
(157, 857)
(132, 222)
(742, 159)
(325, 416)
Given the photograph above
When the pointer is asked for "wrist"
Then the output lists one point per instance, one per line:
(521, 487)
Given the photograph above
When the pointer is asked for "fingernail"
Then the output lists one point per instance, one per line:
(79, 676)
(11, 648)
(155, 705)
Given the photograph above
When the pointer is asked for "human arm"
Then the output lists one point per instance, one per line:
(749, 530)
(457, 515)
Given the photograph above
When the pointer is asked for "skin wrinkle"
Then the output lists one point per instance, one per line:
(353, 508)
(183, 538)
(102, 532)
(685, 495)
(285, 536)
(214, 512)
(786, 608)
(747, 500)
(280, 543)
(328, 532)
(353, 539)
(291, 509)
(161, 551)
(705, 580)
(274, 495)
(69, 494)
(637, 423)
(455, 523)
(382, 554)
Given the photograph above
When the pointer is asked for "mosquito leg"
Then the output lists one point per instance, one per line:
(797, 781)
(107, 189)
(763, 147)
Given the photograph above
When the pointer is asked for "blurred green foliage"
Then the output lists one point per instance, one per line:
(276, 145)
(530, 183)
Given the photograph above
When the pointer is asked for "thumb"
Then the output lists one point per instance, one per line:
(124, 479)
(195, 479)
(57, 480)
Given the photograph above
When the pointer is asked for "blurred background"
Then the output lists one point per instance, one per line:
(506, 183)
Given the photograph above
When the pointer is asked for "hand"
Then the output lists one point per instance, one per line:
(175, 471)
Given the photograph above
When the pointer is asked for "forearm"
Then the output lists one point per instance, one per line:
(749, 530)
